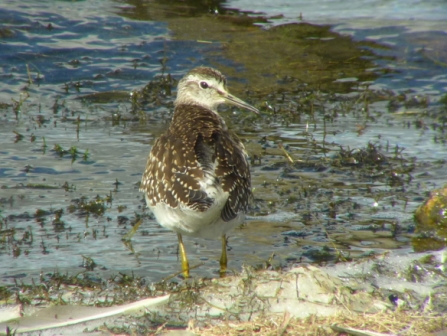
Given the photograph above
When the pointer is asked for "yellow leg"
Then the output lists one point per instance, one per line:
(183, 258)
(223, 257)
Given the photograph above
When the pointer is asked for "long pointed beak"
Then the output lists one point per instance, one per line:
(229, 98)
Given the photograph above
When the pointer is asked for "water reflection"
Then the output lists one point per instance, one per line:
(269, 59)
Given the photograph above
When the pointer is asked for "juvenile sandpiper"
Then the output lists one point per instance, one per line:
(197, 178)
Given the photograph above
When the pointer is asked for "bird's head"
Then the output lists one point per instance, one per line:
(207, 87)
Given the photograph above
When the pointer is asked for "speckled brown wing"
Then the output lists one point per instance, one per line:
(176, 183)
(173, 172)
(234, 173)
(197, 146)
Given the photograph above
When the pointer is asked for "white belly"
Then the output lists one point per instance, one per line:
(207, 224)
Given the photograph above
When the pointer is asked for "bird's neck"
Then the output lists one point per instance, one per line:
(197, 115)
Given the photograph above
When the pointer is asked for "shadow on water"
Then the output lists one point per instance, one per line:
(339, 165)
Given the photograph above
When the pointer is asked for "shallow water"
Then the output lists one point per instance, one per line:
(93, 47)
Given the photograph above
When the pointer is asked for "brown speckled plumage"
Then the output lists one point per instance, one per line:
(197, 166)
(181, 157)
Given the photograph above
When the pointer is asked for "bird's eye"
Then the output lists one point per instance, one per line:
(204, 85)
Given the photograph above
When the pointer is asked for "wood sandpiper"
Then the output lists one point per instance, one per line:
(197, 178)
